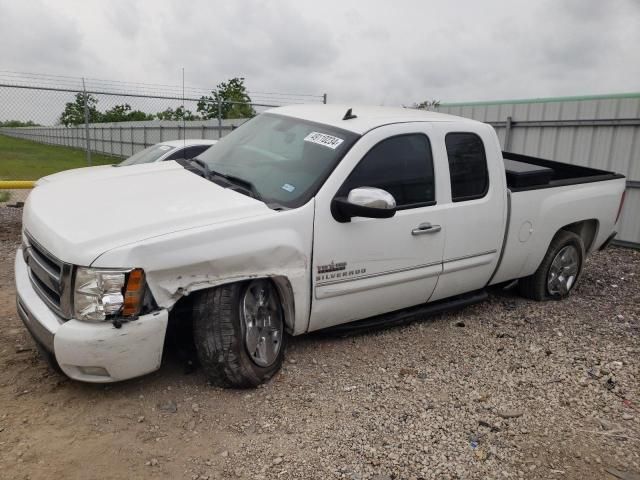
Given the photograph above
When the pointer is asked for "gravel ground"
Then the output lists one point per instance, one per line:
(505, 389)
(12, 197)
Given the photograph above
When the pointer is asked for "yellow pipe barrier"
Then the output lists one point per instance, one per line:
(16, 184)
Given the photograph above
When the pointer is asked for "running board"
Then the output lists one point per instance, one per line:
(407, 315)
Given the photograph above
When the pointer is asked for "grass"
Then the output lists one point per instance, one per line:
(26, 160)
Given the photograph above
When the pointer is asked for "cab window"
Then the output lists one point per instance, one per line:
(401, 165)
(467, 166)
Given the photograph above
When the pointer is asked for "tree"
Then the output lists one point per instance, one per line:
(426, 105)
(18, 123)
(123, 113)
(234, 100)
(179, 113)
(74, 111)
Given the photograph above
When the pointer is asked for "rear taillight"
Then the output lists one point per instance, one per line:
(621, 205)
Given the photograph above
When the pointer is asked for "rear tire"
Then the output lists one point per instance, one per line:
(233, 319)
(559, 271)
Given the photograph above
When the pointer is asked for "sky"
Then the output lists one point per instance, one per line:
(382, 53)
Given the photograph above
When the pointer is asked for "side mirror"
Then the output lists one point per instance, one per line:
(368, 202)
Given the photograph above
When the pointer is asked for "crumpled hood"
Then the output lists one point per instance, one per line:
(79, 217)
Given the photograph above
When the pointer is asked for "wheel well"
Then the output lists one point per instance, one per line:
(287, 300)
(586, 230)
(183, 308)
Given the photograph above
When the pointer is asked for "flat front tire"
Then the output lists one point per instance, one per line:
(239, 333)
(559, 271)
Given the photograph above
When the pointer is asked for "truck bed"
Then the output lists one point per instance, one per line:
(532, 173)
(537, 211)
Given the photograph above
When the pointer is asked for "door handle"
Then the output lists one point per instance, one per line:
(425, 228)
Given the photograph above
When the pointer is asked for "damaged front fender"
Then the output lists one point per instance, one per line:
(277, 246)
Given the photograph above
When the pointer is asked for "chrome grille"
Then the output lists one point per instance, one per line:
(50, 277)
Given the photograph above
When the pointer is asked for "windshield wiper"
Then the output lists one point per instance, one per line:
(188, 162)
(245, 185)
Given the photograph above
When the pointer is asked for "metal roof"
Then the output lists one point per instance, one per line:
(543, 99)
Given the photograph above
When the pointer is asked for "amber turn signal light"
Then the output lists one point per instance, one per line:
(133, 293)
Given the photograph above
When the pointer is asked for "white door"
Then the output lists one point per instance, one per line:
(477, 207)
(369, 266)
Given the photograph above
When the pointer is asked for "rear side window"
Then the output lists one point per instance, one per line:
(189, 152)
(193, 152)
(177, 154)
(402, 165)
(467, 166)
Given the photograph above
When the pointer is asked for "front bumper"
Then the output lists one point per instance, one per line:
(91, 352)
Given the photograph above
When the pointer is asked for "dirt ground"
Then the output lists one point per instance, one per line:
(505, 389)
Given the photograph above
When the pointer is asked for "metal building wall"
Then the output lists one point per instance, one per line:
(598, 131)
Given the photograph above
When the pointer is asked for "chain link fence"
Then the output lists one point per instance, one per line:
(141, 121)
(50, 123)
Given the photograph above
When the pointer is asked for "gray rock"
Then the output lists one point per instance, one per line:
(489, 425)
(606, 424)
(622, 475)
(169, 406)
(506, 413)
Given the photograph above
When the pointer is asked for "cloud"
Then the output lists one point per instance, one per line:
(36, 37)
(124, 16)
(282, 46)
(395, 53)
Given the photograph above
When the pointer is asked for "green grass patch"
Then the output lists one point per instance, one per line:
(26, 160)
(4, 196)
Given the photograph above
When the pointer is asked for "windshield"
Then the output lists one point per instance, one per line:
(148, 155)
(284, 159)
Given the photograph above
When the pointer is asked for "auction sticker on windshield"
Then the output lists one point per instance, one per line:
(324, 140)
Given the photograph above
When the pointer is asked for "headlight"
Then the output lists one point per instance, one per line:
(100, 294)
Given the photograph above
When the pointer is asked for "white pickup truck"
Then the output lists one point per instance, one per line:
(304, 218)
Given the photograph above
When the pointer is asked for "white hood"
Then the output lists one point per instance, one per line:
(79, 217)
(83, 171)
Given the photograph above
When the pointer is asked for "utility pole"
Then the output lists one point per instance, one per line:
(86, 122)
(219, 117)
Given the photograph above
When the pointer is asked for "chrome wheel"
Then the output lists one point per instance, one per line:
(563, 271)
(263, 322)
